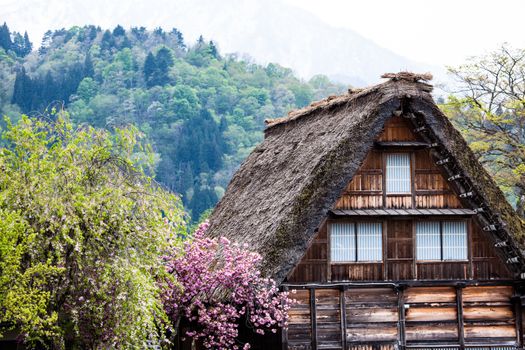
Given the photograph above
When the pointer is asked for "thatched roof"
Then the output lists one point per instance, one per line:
(283, 191)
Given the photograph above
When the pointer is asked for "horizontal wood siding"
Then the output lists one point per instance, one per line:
(426, 315)
(299, 332)
(314, 266)
(397, 129)
(366, 188)
(488, 313)
(399, 261)
(485, 262)
(430, 187)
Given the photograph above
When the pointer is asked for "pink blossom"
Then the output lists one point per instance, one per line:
(218, 283)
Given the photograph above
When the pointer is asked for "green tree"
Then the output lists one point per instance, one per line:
(5, 37)
(150, 66)
(89, 70)
(119, 31)
(87, 89)
(82, 230)
(163, 62)
(28, 45)
(490, 112)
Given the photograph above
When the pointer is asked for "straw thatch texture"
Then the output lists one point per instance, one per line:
(282, 192)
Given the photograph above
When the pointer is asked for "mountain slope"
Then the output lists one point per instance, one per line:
(269, 31)
(201, 112)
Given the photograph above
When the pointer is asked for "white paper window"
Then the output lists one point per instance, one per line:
(369, 241)
(454, 240)
(428, 240)
(342, 242)
(441, 240)
(398, 173)
(351, 242)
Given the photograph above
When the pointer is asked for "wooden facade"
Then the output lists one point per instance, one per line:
(413, 315)
(398, 301)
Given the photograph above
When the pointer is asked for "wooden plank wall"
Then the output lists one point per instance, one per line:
(397, 129)
(399, 261)
(371, 318)
(365, 191)
(431, 189)
(313, 267)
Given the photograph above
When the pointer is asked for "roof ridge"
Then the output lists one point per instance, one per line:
(351, 94)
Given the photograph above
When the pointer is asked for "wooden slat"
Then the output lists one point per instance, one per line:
(430, 314)
(442, 332)
(313, 319)
(402, 212)
(371, 334)
(430, 295)
(460, 313)
(487, 293)
(488, 313)
(342, 304)
(506, 331)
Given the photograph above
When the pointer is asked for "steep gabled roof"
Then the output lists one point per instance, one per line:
(283, 191)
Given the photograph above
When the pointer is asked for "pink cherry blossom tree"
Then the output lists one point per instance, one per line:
(215, 285)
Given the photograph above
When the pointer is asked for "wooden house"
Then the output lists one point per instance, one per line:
(374, 209)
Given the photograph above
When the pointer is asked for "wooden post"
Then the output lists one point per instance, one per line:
(516, 300)
(342, 304)
(313, 319)
(459, 304)
(470, 224)
(326, 226)
(284, 331)
(401, 317)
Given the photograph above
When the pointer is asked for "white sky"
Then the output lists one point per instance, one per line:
(430, 31)
(441, 32)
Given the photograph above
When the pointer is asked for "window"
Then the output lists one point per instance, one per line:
(441, 240)
(398, 173)
(352, 242)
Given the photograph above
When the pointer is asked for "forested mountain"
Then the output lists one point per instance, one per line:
(268, 30)
(202, 112)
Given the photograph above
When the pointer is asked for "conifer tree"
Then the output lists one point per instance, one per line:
(28, 45)
(108, 41)
(22, 90)
(119, 31)
(149, 68)
(89, 70)
(180, 38)
(163, 61)
(5, 37)
(213, 50)
(18, 44)
(46, 42)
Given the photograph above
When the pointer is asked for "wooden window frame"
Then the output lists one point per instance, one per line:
(356, 261)
(411, 165)
(441, 221)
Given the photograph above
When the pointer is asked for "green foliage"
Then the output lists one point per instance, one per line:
(155, 81)
(491, 113)
(82, 229)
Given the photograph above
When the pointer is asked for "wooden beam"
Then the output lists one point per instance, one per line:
(415, 283)
(284, 331)
(405, 144)
(342, 305)
(401, 318)
(459, 303)
(313, 318)
(519, 319)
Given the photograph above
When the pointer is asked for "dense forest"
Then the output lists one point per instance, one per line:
(201, 111)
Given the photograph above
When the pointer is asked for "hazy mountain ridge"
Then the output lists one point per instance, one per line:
(269, 31)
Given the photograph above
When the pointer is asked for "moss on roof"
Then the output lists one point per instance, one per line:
(283, 191)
